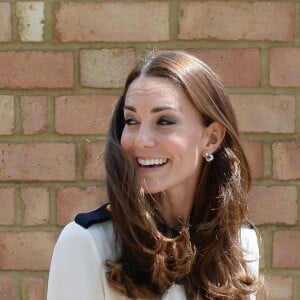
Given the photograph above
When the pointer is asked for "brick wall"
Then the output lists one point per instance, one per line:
(62, 65)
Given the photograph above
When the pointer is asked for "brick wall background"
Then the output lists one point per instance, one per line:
(62, 65)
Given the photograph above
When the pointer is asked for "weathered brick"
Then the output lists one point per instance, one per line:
(253, 151)
(232, 20)
(7, 288)
(94, 161)
(282, 200)
(33, 161)
(6, 114)
(278, 288)
(36, 202)
(7, 204)
(5, 22)
(32, 289)
(106, 68)
(36, 69)
(87, 114)
(286, 160)
(284, 67)
(71, 201)
(224, 62)
(265, 113)
(34, 114)
(286, 247)
(30, 17)
(36, 247)
(89, 21)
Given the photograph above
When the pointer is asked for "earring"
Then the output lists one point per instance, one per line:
(209, 157)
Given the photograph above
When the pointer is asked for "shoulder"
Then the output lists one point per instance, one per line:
(96, 241)
(97, 216)
(87, 227)
(82, 248)
(248, 233)
(98, 227)
(249, 242)
(74, 236)
(248, 237)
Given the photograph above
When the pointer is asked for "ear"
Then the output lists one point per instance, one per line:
(215, 133)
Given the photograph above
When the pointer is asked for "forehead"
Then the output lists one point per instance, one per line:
(155, 89)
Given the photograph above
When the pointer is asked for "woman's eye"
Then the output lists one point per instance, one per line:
(130, 121)
(166, 121)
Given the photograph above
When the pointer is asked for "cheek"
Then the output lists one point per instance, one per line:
(194, 147)
(126, 141)
(186, 149)
(198, 139)
(123, 141)
(189, 142)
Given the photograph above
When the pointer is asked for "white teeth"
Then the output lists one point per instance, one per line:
(151, 161)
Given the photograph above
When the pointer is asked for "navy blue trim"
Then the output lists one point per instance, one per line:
(93, 217)
(249, 224)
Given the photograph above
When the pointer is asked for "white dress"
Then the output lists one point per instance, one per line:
(77, 269)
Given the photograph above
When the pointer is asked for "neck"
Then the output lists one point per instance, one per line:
(175, 207)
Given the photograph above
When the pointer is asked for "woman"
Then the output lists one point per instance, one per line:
(177, 179)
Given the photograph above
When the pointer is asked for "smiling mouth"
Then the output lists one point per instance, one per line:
(151, 162)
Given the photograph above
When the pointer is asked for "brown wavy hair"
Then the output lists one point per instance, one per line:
(204, 255)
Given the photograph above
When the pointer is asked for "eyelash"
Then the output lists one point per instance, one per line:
(130, 121)
(161, 121)
(166, 121)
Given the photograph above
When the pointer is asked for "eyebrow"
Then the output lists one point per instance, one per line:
(153, 110)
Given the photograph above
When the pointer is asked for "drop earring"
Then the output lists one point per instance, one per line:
(209, 157)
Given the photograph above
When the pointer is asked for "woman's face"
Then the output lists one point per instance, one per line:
(164, 136)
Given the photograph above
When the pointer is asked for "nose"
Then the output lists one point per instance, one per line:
(145, 137)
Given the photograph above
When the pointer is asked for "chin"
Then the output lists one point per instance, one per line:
(151, 189)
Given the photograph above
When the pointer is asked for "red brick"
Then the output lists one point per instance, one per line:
(7, 288)
(33, 161)
(7, 114)
(35, 247)
(286, 247)
(224, 62)
(87, 114)
(94, 161)
(34, 114)
(253, 151)
(265, 113)
(5, 22)
(32, 289)
(286, 160)
(229, 20)
(106, 68)
(130, 21)
(71, 201)
(278, 288)
(36, 69)
(282, 200)
(7, 204)
(36, 201)
(284, 67)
